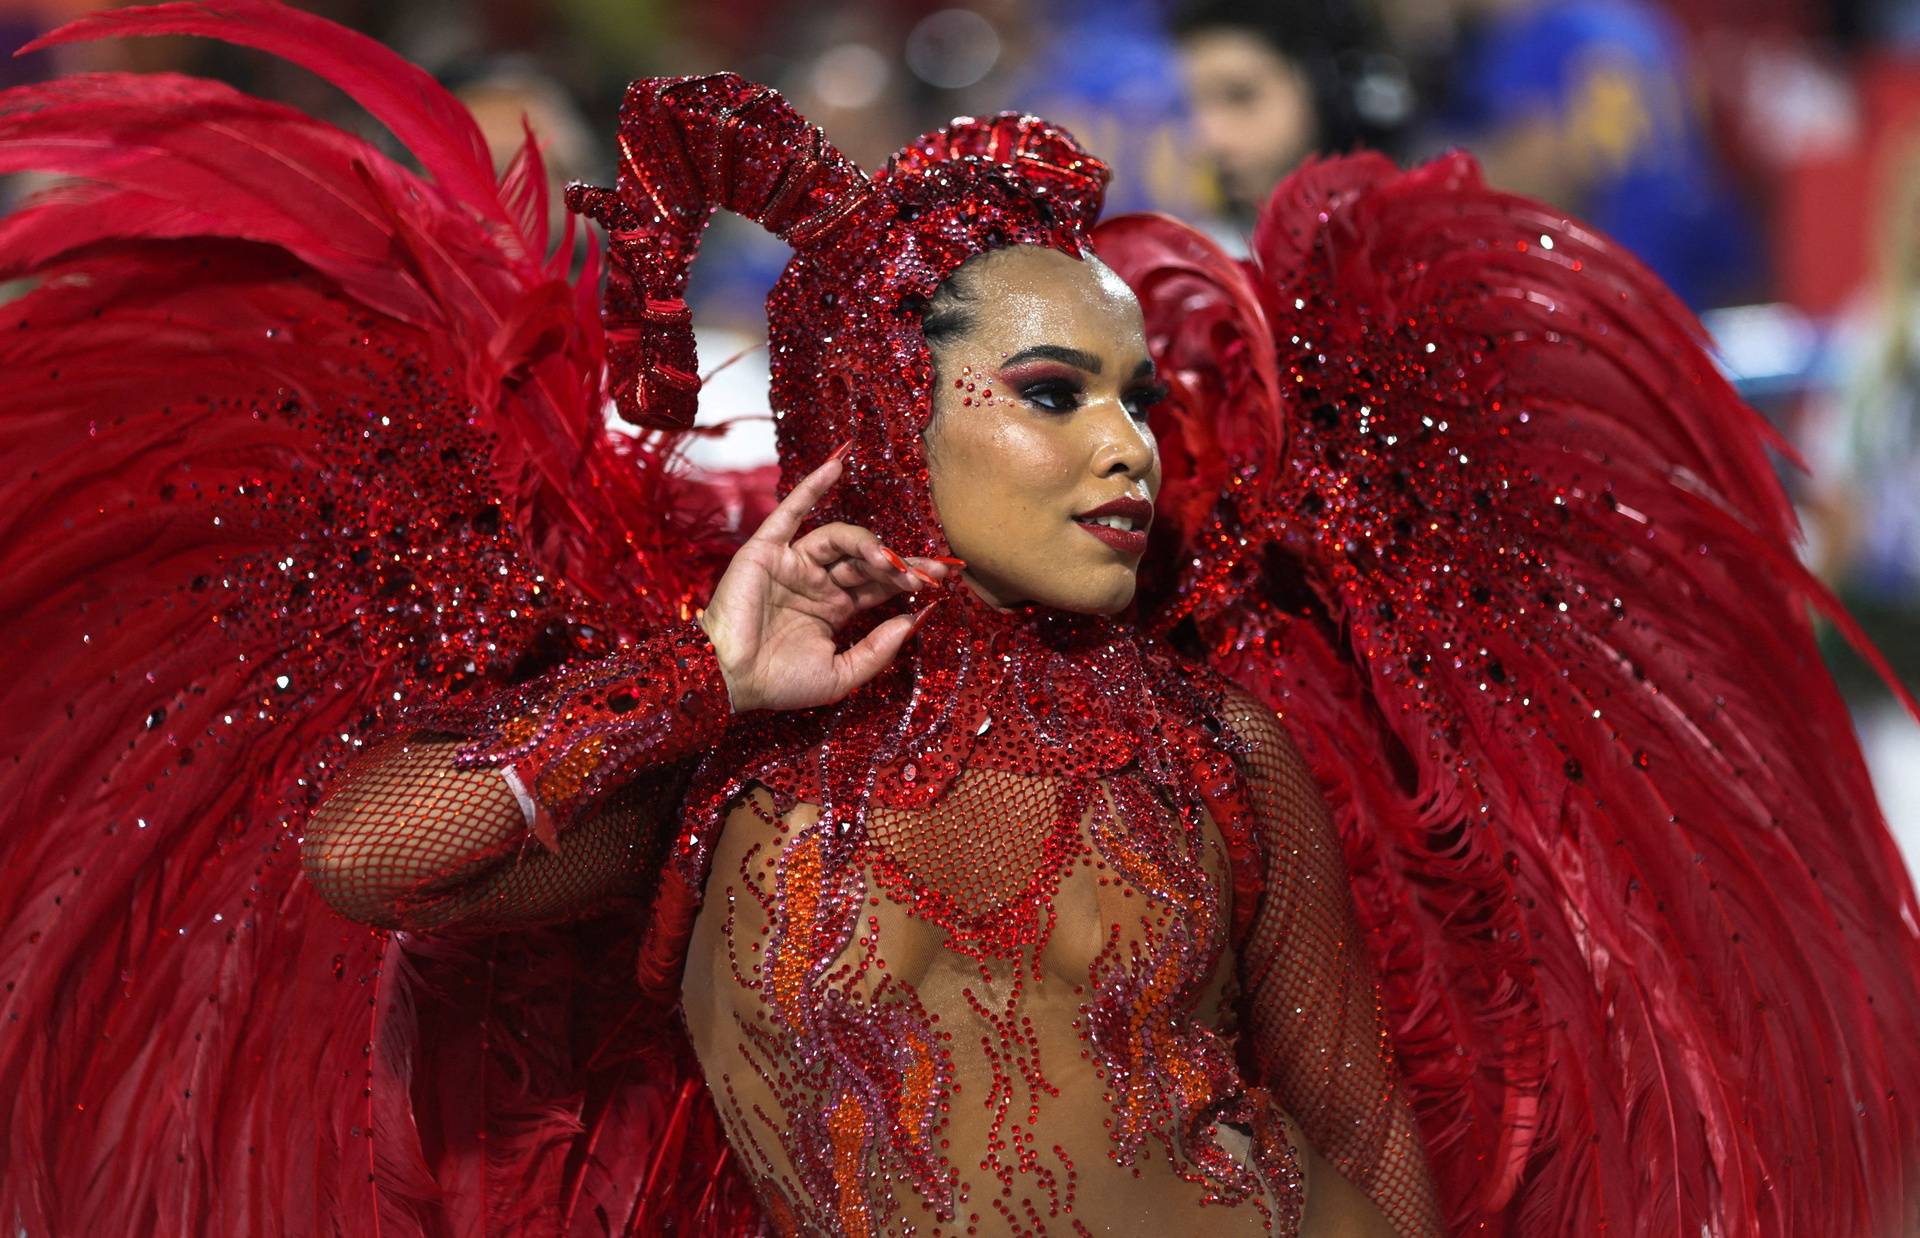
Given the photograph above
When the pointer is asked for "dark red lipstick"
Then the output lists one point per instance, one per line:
(1137, 512)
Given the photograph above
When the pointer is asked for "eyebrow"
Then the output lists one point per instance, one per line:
(1078, 358)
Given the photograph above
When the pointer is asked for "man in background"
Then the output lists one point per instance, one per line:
(1589, 105)
(1269, 84)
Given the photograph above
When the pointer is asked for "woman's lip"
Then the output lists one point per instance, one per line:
(1128, 507)
(1138, 510)
(1126, 541)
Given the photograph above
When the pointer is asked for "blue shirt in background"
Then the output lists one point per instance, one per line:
(1615, 72)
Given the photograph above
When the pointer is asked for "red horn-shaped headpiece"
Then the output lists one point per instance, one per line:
(849, 359)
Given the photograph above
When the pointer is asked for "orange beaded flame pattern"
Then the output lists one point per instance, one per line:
(1049, 930)
(997, 995)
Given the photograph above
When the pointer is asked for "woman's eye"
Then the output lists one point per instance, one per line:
(1140, 401)
(1055, 397)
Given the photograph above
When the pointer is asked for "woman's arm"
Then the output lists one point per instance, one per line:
(423, 831)
(410, 842)
(1311, 1013)
(530, 804)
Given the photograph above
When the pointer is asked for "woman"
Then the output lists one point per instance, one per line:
(1010, 914)
(985, 915)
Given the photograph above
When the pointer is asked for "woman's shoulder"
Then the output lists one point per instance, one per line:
(1253, 731)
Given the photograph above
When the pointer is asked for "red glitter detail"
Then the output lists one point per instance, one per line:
(1045, 927)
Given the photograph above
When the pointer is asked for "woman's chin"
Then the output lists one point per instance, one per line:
(1085, 589)
(1105, 592)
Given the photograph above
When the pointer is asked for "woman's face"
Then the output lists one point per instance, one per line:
(1042, 466)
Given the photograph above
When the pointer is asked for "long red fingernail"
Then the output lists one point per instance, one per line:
(901, 565)
(949, 560)
(839, 451)
(921, 616)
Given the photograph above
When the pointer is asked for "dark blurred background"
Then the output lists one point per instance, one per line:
(1762, 155)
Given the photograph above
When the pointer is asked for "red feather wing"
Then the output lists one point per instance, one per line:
(1522, 580)
(296, 438)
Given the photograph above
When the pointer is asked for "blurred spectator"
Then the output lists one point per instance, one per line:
(511, 101)
(1585, 103)
(1861, 441)
(1883, 23)
(1269, 84)
(1104, 70)
(17, 29)
(1863, 523)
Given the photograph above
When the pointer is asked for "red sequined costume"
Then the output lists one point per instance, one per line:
(1047, 927)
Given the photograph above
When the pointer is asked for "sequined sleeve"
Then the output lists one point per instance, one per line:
(569, 737)
(1310, 1012)
(538, 803)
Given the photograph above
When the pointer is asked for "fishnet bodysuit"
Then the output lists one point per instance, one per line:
(410, 842)
(1017, 1012)
(1311, 1024)
(1032, 1102)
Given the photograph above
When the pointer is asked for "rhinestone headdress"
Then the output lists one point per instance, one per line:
(849, 358)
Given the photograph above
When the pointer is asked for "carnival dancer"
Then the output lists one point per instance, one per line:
(1323, 744)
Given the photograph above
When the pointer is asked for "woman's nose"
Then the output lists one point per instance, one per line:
(1125, 445)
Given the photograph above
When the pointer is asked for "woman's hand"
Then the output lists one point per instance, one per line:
(774, 614)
